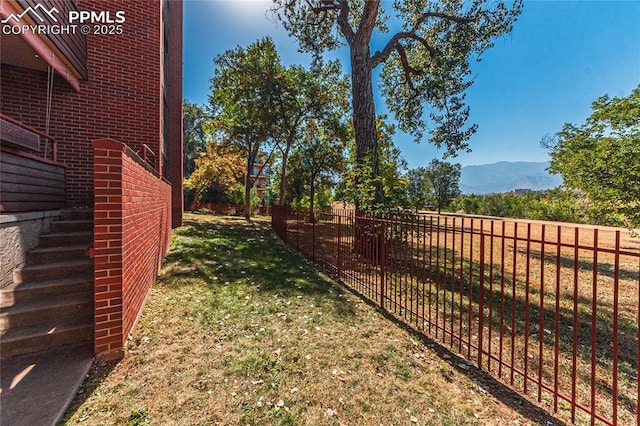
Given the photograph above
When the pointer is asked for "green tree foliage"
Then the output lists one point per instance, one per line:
(323, 200)
(560, 205)
(317, 161)
(555, 204)
(300, 95)
(257, 101)
(194, 135)
(237, 197)
(601, 158)
(392, 167)
(359, 182)
(426, 62)
(242, 100)
(501, 205)
(417, 188)
(442, 180)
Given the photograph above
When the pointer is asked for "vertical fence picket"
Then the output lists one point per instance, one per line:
(430, 321)
(616, 278)
(470, 311)
(541, 315)
(574, 338)
(594, 326)
(453, 277)
(424, 268)
(526, 309)
(502, 272)
(460, 301)
(490, 301)
(514, 278)
(638, 350)
(404, 254)
(437, 276)
(556, 320)
(444, 282)
(339, 237)
(481, 297)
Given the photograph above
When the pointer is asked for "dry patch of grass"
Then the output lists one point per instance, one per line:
(241, 330)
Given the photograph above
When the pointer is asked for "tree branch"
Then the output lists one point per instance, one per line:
(323, 8)
(445, 16)
(368, 20)
(382, 55)
(343, 21)
(343, 15)
(408, 69)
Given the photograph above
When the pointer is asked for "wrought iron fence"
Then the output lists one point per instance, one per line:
(551, 309)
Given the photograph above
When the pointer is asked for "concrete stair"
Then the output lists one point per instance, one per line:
(50, 302)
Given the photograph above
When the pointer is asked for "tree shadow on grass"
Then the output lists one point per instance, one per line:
(221, 251)
(486, 381)
(606, 269)
(228, 250)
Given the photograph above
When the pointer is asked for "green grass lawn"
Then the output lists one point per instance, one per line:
(240, 330)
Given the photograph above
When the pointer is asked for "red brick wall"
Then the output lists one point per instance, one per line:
(132, 227)
(119, 100)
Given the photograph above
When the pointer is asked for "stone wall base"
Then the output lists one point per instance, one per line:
(19, 233)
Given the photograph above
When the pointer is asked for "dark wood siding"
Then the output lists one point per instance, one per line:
(16, 135)
(29, 184)
(72, 46)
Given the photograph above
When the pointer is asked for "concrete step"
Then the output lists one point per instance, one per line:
(72, 226)
(61, 239)
(45, 271)
(76, 214)
(50, 303)
(47, 289)
(19, 341)
(56, 254)
(63, 309)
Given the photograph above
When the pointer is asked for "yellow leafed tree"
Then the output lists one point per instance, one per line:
(219, 168)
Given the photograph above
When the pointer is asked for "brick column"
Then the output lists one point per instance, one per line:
(108, 243)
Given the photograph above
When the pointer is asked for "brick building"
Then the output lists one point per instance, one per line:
(91, 173)
(258, 176)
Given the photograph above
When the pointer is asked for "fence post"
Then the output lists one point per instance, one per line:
(274, 223)
(285, 215)
(282, 218)
(339, 244)
(481, 296)
(383, 261)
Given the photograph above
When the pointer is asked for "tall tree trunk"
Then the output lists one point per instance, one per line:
(312, 191)
(364, 113)
(247, 190)
(283, 173)
(196, 199)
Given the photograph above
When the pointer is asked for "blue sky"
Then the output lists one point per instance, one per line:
(559, 58)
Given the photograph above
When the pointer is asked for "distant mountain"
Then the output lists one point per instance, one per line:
(506, 176)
